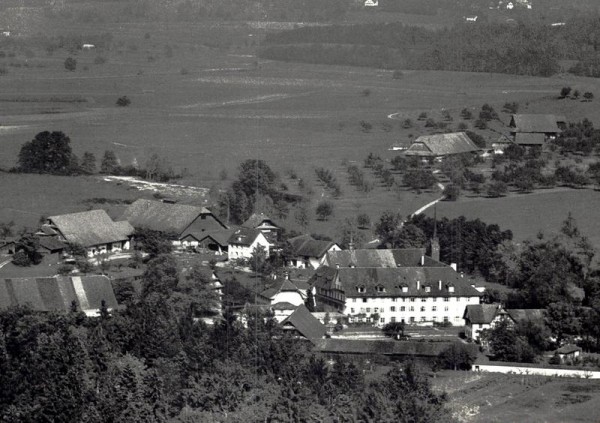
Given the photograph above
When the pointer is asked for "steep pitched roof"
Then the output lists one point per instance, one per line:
(57, 293)
(568, 349)
(395, 282)
(442, 145)
(530, 138)
(89, 228)
(523, 314)
(164, 217)
(305, 323)
(405, 257)
(481, 314)
(307, 246)
(534, 123)
(280, 286)
(51, 243)
(258, 219)
(244, 236)
(220, 237)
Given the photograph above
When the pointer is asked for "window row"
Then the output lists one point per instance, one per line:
(392, 309)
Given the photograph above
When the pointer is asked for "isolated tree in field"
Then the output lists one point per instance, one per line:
(324, 210)
(123, 101)
(466, 114)
(302, 216)
(70, 64)
(588, 96)
(110, 163)
(451, 192)
(258, 261)
(564, 92)
(511, 108)
(496, 189)
(6, 229)
(487, 113)
(48, 152)
(575, 94)
(363, 220)
(88, 163)
(419, 179)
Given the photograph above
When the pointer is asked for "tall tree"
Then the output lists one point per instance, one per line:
(48, 152)
(88, 163)
(110, 163)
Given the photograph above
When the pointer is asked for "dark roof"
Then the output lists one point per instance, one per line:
(164, 217)
(389, 282)
(284, 305)
(258, 219)
(568, 349)
(307, 246)
(521, 314)
(305, 323)
(481, 313)
(406, 257)
(530, 138)
(89, 228)
(57, 293)
(51, 243)
(243, 236)
(535, 123)
(442, 145)
(279, 286)
(7, 241)
(220, 237)
(384, 347)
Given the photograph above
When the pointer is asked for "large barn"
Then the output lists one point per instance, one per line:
(442, 145)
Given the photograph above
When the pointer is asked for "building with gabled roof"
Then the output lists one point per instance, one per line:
(215, 241)
(284, 290)
(171, 217)
(401, 257)
(303, 324)
(307, 252)
(533, 130)
(243, 241)
(59, 293)
(479, 317)
(441, 145)
(415, 294)
(94, 230)
(265, 224)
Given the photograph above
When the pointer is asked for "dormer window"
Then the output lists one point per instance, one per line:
(361, 289)
(450, 288)
(427, 289)
(380, 288)
(405, 289)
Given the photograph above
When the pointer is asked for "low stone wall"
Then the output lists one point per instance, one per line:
(539, 371)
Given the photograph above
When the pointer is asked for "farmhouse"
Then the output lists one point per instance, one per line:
(405, 257)
(243, 241)
(173, 218)
(211, 241)
(535, 129)
(568, 353)
(307, 252)
(479, 317)
(417, 294)
(94, 230)
(59, 293)
(285, 291)
(304, 325)
(441, 145)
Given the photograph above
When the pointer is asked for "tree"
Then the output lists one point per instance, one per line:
(197, 294)
(564, 92)
(388, 223)
(258, 261)
(394, 329)
(88, 163)
(48, 152)
(324, 210)
(507, 345)
(310, 300)
(408, 236)
(161, 276)
(466, 114)
(6, 229)
(451, 192)
(419, 179)
(562, 319)
(477, 139)
(302, 216)
(363, 221)
(457, 356)
(70, 64)
(496, 189)
(153, 242)
(588, 96)
(110, 163)
(123, 101)
(28, 245)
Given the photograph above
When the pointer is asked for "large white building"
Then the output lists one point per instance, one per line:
(243, 242)
(415, 293)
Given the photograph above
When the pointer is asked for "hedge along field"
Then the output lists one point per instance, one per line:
(528, 214)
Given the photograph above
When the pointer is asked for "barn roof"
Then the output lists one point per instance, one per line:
(280, 286)
(535, 123)
(481, 313)
(57, 293)
(405, 257)
(51, 244)
(521, 314)
(220, 237)
(530, 138)
(305, 323)
(164, 217)
(89, 228)
(307, 246)
(385, 347)
(390, 282)
(442, 145)
(258, 219)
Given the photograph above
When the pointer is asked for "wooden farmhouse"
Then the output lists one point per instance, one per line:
(186, 223)
(533, 130)
(87, 293)
(307, 252)
(94, 230)
(479, 317)
(442, 145)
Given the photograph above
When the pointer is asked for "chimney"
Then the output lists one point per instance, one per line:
(418, 285)
(454, 266)
(440, 285)
(422, 260)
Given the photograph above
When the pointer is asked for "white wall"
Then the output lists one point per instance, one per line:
(584, 374)
(236, 251)
(389, 308)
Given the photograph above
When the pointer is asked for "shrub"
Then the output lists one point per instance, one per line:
(588, 96)
(365, 126)
(99, 60)
(466, 114)
(451, 192)
(123, 101)
(20, 258)
(407, 124)
(422, 116)
(430, 123)
(565, 91)
(480, 124)
(397, 74)
(70, 64)
(497, 189)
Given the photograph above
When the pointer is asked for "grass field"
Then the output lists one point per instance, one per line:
(498, 398)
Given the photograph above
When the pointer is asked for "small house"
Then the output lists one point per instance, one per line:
(307, 252)
(243, 242)
(265, 224)
(285, 291)
(568, 353)
(479, 317)
(371, 3)
(535, 129)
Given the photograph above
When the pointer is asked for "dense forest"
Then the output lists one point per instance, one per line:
(483, 47)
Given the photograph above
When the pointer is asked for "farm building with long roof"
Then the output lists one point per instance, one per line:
(440, 145)
(535, 129)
